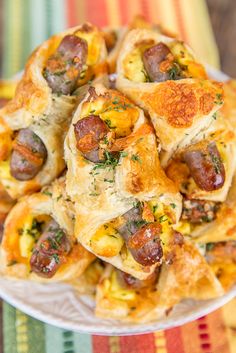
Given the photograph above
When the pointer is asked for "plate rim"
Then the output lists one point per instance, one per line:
(124, 330)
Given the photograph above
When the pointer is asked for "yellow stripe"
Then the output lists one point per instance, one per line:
(16, 13)
(168, 15)
(80, 11)
(7, 89)
(134, 8)
(160, 342)
(198, 27)
(229, 314)
(114, 343)
(113, 13)
(21, 333)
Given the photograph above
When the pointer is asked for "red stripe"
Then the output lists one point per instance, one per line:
(180, 21)
(124, 12)
(174, 342)
(145, 9)
(96, 12)
(71, 13)
(137, 344)
(100, 344)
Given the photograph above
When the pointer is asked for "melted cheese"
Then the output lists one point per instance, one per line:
(27, 240)
(94, 41)
(106, 241)
(118, 112)
(133, 66)
(113, 289)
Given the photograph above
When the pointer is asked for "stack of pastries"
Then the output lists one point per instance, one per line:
(117, 166)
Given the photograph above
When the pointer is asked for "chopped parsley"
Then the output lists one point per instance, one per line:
(174, 72)
(56, 258)
(136, 158)
(163, 218)
(46, 192)
(219, 99)
(210, 246)
(35, 229)
(173, 205)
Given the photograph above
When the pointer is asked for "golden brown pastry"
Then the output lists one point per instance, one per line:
(222, 259)
(39, 114)
(204, 169)
(121, 296)
(162, 76)
(113, 165)
(38, 240)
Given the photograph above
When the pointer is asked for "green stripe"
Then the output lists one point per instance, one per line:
(37, 23)
(7, 34)
(25, 32)
(83, 343)
(9, 328)
(48, 14)
(58, 20)
(36, 333)
(54, 339)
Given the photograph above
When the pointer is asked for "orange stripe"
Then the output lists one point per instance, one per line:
(155, 11)
(144, 4)
(190, 337)
(219, 341)
(71, 13)
(123, 12)
(179, 16)
(137, 344)
(96, 12)
(80, 11)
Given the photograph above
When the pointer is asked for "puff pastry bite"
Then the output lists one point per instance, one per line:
(114, 170)
(38, 240)
(6, 204)
(121, 296)
(39, 114)
(162, 75)
(204, 169)
(222, 259)
(114, 38)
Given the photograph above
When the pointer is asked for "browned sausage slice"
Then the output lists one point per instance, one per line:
(64, 67)
(49, 251)
(142, 239)
(206, 166)
(153, 58)
(145, 244)
(89, 132)
(28, 156)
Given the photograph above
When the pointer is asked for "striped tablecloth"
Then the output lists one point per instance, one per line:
(23, 25)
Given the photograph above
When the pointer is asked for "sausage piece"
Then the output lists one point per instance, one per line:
(28, 156)
(128, 281)
(199, 211)
(145, 244)
(64, 67)
(206, 167)
(89, 132)
(153, 59)
(143, 240)
(51, 247)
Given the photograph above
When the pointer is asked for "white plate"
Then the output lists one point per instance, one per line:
(57, 304)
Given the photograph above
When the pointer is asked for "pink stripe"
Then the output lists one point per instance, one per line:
(96, 12)
(100, 344)
(174, 342)
(137, 344)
